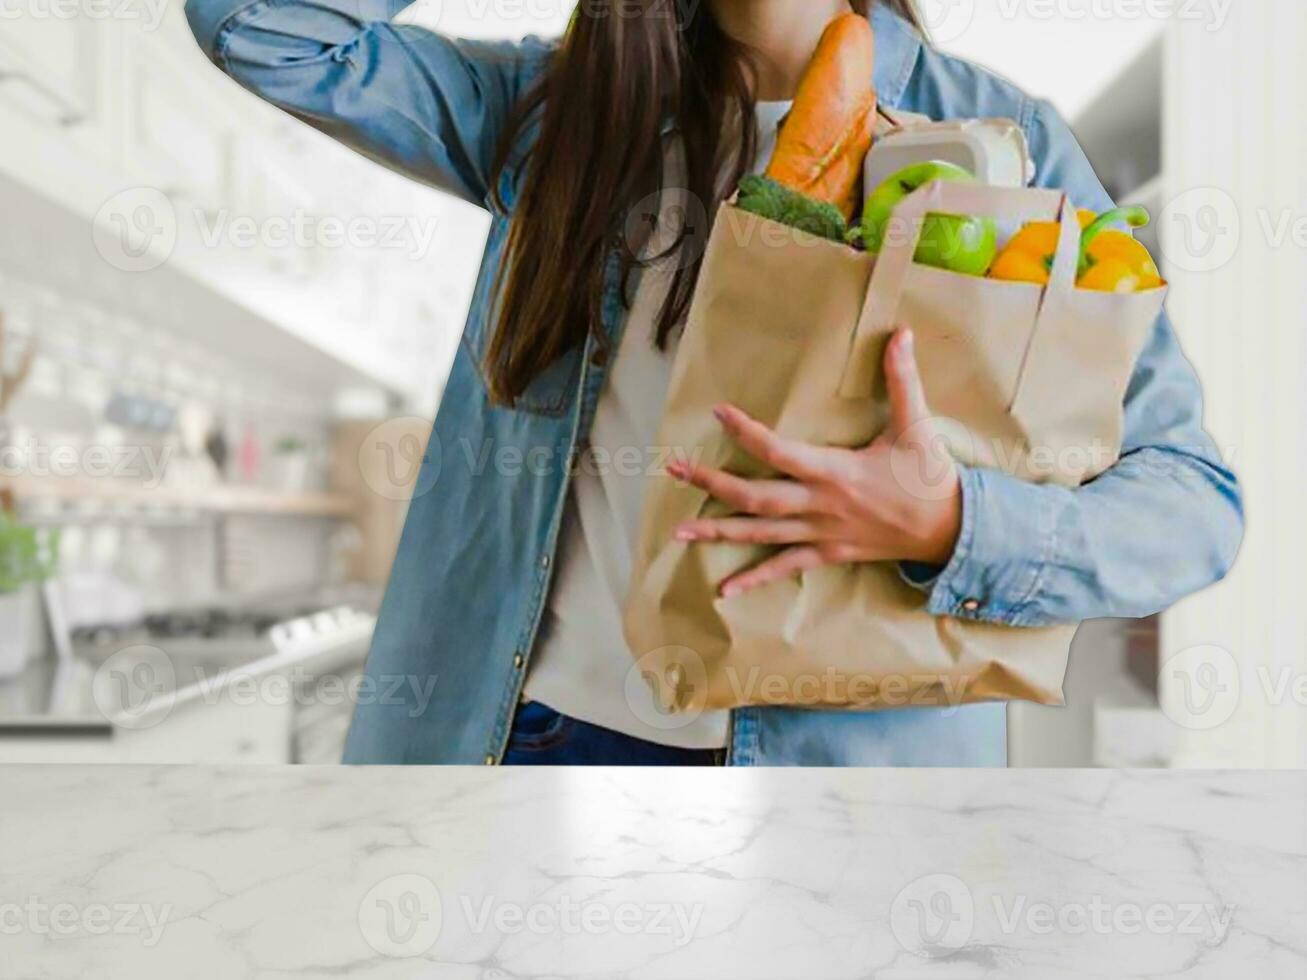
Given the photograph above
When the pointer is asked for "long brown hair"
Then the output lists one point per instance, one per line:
(600, 107)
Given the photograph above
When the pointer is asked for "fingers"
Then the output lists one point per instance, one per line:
(747, 531)
(789, 562)
(790, 456)
(907, 397)
(766, 498)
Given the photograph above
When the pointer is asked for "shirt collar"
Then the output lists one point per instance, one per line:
(898, 45)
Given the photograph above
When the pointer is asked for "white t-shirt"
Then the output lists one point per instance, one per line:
(583, 668)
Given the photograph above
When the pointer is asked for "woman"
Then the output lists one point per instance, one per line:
(499, 638)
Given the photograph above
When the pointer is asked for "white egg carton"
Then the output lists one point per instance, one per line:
(995, 150)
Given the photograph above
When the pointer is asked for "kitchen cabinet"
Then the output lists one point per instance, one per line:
(264, 187)
(243, 724)
(102, 114)
(49, 66)
(176, 141)
(225, 732)
(56, 102)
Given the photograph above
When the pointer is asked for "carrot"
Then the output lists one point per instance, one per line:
(821, 147)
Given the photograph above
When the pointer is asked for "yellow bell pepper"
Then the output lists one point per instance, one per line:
(1028, 257)
(1110, 261)
(1114, 261)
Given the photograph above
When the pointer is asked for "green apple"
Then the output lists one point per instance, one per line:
(954, 242)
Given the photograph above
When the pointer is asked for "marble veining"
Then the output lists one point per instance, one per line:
(384, 873)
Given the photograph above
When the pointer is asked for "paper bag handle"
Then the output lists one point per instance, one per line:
(890, 275)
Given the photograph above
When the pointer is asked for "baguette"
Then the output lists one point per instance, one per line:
(822, 145)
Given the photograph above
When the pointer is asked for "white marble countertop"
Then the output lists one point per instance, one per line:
(466, 873)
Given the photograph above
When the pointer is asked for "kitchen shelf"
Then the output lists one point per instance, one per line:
(218, 500)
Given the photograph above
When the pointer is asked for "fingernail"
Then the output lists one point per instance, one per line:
(684, 534)
(720, 413)
(730, 590)
(907, 343)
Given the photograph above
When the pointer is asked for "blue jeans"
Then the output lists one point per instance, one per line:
(543, 737)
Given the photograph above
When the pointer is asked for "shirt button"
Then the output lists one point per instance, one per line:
(490, 760)
(518, 661)
(544, 561)
(599, 356)
(971, 605)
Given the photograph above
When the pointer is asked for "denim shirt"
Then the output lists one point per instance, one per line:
(459, 620)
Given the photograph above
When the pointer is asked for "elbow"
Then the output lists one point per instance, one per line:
(1228, 532)
(1217, 523)
(1204, 531)
(205, 19)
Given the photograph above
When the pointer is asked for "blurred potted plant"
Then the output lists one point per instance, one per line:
(290, 464)
(27, 558)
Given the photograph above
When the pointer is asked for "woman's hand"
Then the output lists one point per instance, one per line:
(898, 499)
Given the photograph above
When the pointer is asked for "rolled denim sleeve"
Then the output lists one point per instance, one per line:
(431, 107)
(1164, 522)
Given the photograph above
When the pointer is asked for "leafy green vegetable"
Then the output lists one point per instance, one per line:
(26, 555)
(768, 199)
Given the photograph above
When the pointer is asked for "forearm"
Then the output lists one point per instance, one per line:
(1161, 524)
(429, 106)
(1164, 522)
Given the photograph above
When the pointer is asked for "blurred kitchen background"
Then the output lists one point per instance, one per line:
(224, 338)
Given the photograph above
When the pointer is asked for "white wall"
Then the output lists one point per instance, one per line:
(1235, 151)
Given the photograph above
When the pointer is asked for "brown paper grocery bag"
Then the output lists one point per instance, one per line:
(791, 328)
